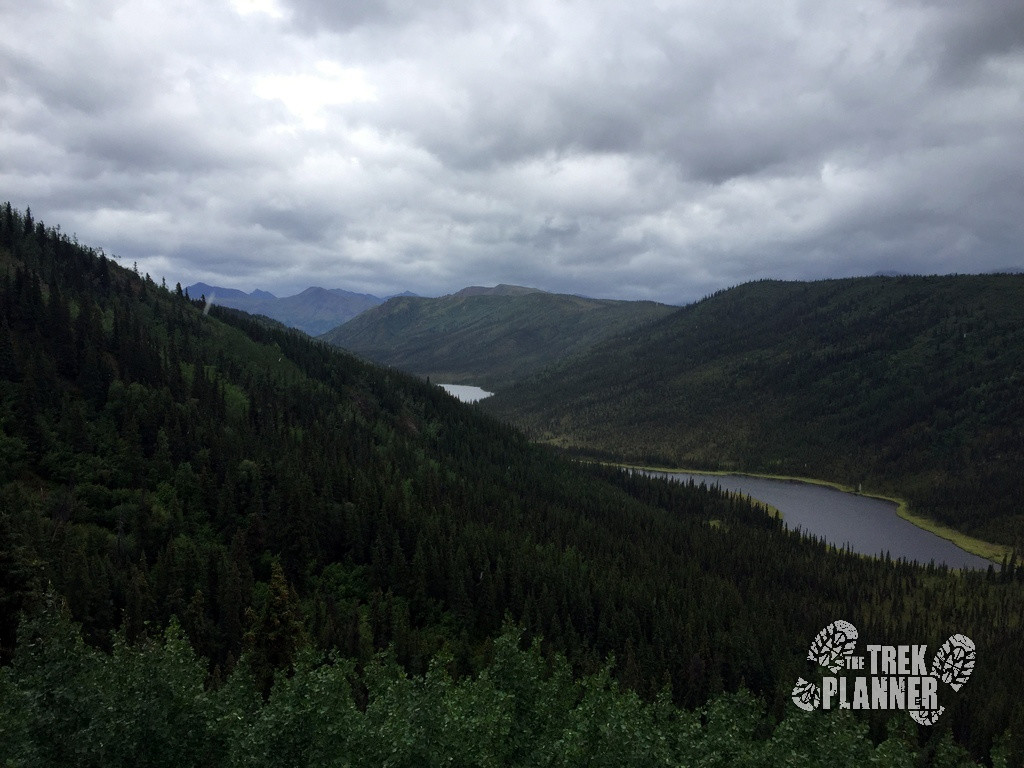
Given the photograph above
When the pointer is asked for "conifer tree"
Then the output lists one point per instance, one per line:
(275, 630)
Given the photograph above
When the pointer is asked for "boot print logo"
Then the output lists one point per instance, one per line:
(889, 677)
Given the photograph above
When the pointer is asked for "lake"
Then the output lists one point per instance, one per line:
(869, 526)
(465, 392)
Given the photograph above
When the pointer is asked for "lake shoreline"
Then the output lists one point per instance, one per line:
(985, 549)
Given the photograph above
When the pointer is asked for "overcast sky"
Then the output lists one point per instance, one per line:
(655, 150)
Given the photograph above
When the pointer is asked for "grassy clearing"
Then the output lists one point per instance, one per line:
(987, 549)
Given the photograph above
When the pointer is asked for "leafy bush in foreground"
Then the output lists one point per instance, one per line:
(65, 703)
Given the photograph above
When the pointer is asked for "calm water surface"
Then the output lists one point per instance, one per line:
(465, 392)
(869, 526)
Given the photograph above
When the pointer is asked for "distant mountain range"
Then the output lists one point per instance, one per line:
(315, 310)
(498, 290)
(487, 336)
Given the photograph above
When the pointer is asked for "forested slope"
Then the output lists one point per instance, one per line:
(486, 337)
(282, 501)
(911, 385)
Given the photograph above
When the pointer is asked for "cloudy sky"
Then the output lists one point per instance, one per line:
(636, 150)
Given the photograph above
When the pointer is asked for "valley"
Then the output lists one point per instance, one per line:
(224, 541)
(903, 386)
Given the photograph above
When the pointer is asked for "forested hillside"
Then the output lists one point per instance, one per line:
(295, 511)
(907, 385)
(486, 337)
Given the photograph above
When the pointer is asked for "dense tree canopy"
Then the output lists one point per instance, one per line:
(276, 503)
(146, 705)
(487, 339)
(906, 385)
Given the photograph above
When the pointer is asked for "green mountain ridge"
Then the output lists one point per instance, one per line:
(502, 289)
(908, 385)
(487, 337)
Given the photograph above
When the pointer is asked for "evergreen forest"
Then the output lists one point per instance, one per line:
(908, 386)
(487, 337)
(223, 542)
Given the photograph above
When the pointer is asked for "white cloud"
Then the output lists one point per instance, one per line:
(650, 150)
(268, 8)
(308, 95)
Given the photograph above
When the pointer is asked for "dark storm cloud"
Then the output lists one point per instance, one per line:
(963, 37)
(303, 224)
(653, 150)
(313, 16)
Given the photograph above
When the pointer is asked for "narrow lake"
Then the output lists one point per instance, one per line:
(465, 392)
(869, 526)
